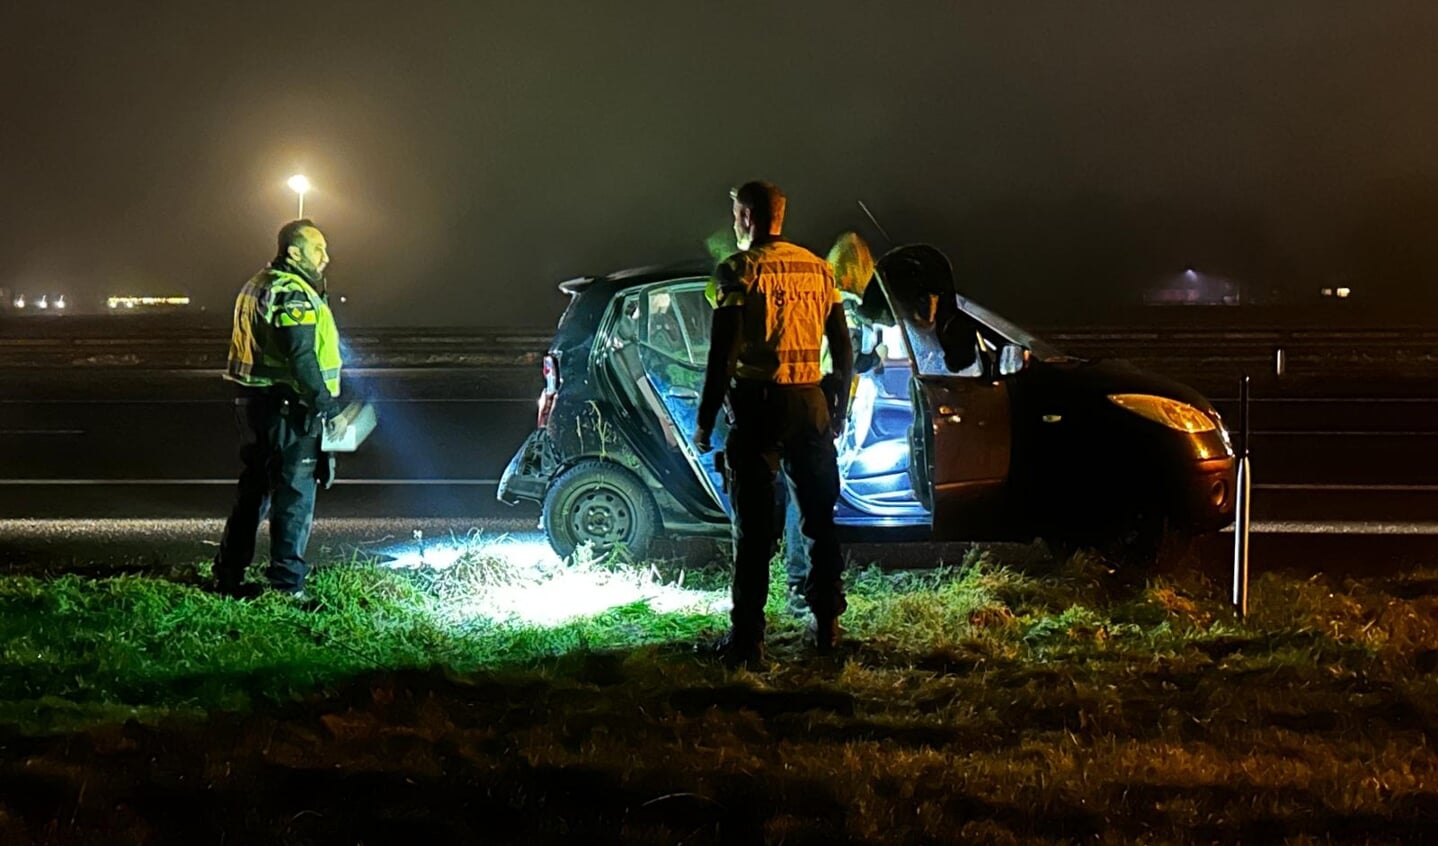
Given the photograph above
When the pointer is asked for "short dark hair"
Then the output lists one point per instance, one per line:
(765, 202)
(290, 235)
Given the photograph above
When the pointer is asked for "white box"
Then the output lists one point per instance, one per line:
(347, 430)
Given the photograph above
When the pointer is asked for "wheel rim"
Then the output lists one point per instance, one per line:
(602, 516)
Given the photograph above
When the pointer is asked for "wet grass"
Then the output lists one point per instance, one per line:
(980, 703)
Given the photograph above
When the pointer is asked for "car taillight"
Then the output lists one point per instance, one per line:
(551, 389)
(551, 375)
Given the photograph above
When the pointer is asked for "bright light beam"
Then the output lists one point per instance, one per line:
(520, 580)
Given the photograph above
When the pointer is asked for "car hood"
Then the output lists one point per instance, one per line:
(1117, 376)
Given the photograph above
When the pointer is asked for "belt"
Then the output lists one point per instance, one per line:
(271, 394)
(764, 387)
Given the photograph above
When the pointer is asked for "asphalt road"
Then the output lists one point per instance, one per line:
(161, 443)
(102, 442)
(1344, 458)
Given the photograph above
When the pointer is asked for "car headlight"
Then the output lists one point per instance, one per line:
(1170, 412)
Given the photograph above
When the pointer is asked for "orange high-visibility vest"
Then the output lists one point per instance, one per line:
(786, 293)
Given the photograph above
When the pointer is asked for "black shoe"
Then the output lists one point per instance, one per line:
(826, 635)
(298, 597)
(306, 603)
(733, 651)
(240, 590)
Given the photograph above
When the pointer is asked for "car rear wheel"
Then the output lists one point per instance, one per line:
(602, 504)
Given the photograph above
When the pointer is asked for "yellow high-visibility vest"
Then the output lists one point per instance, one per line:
(786, 293)
(275, 299)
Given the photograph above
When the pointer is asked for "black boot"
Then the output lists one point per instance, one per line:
(826, 634)
(235, 588)
(827, 606)
(795, 602)
(734, 650)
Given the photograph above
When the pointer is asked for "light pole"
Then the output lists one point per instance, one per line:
(299, 184)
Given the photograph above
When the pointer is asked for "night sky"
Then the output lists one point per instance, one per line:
(467, 156)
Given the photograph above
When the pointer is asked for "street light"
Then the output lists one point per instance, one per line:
(299, 184)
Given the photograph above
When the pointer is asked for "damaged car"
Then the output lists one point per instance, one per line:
(966, 427)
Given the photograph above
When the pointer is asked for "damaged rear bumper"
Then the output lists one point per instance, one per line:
(529, 471)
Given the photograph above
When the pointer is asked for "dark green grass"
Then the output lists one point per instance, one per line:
(979, 703)
(107, 644)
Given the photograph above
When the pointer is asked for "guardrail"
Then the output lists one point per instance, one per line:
(1271, 353)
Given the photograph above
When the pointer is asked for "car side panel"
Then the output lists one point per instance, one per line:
(969, 444)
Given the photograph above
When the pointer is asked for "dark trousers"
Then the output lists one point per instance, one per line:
(796, 546)
(279, 445)
(781, 427)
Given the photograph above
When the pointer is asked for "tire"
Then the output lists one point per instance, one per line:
(1137, 545)
(1060, 548)
(1143, 544)
(600, 503)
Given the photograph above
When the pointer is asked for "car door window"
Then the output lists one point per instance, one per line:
(676, 343)
(964, 347)
(945, 344)
(678, 323)
(628, 322)
(696, 316)
(951, 343)
(674, 356)
(645, 350)
(662, 331)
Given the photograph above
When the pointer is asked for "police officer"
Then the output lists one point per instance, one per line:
(285, 362)
(777, 302)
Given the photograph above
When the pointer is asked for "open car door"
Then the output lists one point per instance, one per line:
(654, 353)
(961, 436)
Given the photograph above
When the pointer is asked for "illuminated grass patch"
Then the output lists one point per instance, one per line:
(979, 703)
(475, 581)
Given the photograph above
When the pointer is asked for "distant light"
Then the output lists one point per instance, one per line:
(1343, 292)
(1190, 274)
(344, 299)
(20, 301)
(43, 302)
(131, 302)
(60, 302)
(1327, 292)
(298, 183)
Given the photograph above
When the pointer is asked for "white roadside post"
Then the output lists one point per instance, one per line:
(1243, 489)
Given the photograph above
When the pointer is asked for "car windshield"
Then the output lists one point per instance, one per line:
(1041, 349)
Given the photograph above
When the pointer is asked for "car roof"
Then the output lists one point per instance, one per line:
(590, 296)
(631, 277)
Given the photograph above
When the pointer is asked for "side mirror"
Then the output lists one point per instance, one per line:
(1014, 358)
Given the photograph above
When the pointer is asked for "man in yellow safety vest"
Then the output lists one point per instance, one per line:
(285, 362)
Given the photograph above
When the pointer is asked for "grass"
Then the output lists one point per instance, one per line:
(140, 641)
(978, 703)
